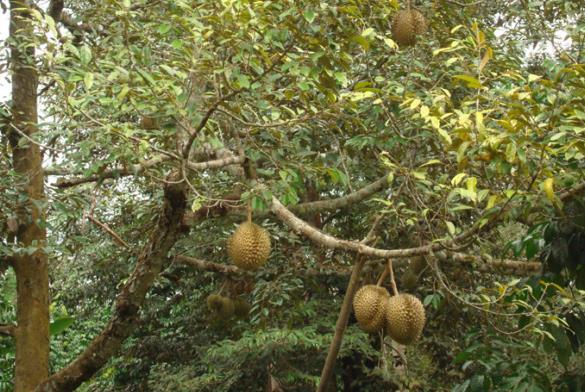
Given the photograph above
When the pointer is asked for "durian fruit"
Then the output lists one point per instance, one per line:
(418, 264)
(220, 306)
(241, 308)
(406, 25)
(249, 246)
(405, 318)
(409, 280)
(369, 306)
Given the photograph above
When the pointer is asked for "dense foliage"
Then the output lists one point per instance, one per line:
(479, 125)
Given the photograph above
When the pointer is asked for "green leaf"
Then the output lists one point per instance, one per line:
(88, 80)
(243, 81)
(309, 15)
(470, 81)
(85, 55)
(164, 28)
(60, 325)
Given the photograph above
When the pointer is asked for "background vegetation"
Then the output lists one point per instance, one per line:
(474, 136)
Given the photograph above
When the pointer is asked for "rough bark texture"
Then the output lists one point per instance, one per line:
(128, 302)
(32, 278)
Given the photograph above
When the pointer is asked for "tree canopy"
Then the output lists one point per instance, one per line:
(451, 167)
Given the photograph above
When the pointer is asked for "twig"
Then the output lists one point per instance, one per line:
(30, 139)
(109, 231)
(392, 281)
(223, 99)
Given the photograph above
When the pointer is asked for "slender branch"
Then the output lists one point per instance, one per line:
(7, 329)
(492, 265)
(279, 124)
(216, 163)
(227, 269)
(571, 192)
(208, 265)
(345, 310)
(392, 280)
(109, 231)
(382, 276)
(113, 173)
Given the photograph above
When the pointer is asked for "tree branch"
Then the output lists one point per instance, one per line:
(109, 231)
(129, 300)
(302, 227)
(492, 265)
(345, 310)
(227, 269)
(7, 329)
(341, 202)
(220, 209)
(138, 168)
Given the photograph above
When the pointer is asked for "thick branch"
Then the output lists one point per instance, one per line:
(226, 269)
(342, 202)
(220, 209)
(493, 265)
(302, 227)
(130, 299)
(329, 241)
(7, 329)
(140, 168)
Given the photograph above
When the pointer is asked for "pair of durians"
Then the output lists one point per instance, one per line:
(402, 316)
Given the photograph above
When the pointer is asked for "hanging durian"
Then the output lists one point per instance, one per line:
(405, 318)
(220, 306)
(406, 25)
(249, 246)
(369, 306)
(241, 308)
(409, 280)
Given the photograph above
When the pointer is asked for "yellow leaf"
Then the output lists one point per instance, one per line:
(491, 201)
(472, 184)
(489, 53)
(548, 187)
(431, 162)
(458, 178)
(435, 122)
(415, 103)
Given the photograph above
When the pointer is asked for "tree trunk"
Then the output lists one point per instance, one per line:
(126, 311)
(30, 264)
